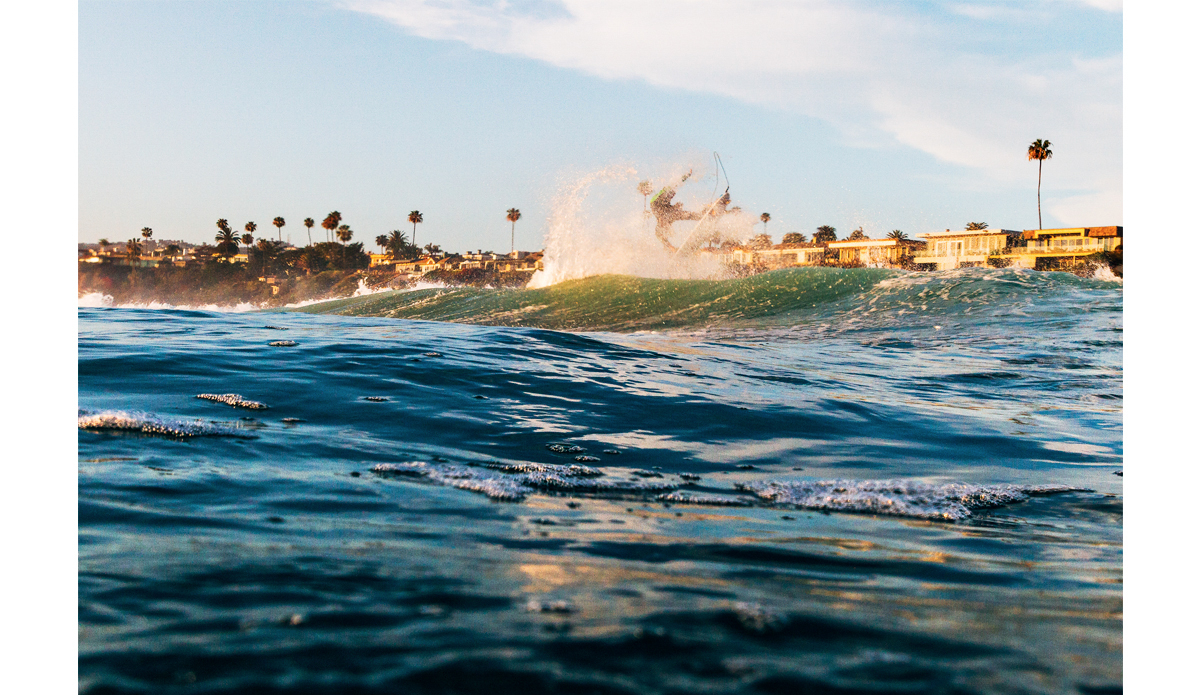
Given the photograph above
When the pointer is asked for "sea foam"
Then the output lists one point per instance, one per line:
(947, 501)
(512, 482)
(232, 399)
(147, 423)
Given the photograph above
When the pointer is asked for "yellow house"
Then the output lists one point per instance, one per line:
(963, 249)
(877, 253)
(1047, 249)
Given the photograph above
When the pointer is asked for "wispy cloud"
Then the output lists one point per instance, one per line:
(884, 74)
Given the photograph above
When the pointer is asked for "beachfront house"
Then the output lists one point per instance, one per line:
(1051, 249)
(877, 253)
(963, 249)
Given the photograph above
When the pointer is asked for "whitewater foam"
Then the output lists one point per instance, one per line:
(99, 300)
(232, 399)
(948, 501)
(512, 482)
(148, 423)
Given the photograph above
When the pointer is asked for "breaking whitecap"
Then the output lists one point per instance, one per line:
(948, 501)
(232, 399)
(147, 423)
(701, 498)
(512, 482)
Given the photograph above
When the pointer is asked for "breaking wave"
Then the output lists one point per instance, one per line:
(779, 298)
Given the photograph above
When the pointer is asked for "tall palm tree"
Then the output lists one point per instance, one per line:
(223, 224)
(344, 234)
(133, 250)
(897, 235)
(1040, 150)
(147, 233)
(765, 217)
(513, 215)
(381, 241)
(278, 222)
(330, 223)
(416, 218)
(977, 226)
(308, 222)
(247, 239)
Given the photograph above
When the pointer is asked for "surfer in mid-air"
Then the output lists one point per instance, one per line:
(667, 213)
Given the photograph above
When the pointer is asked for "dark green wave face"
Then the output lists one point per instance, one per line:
(839, 297)
(622, 303)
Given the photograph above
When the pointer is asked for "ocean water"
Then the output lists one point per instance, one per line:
(808, 481)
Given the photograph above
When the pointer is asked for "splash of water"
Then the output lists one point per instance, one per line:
(1105, 273)
(95, 300)
(613, 234)
(363, 290)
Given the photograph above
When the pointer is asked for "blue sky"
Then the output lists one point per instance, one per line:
(886, 115)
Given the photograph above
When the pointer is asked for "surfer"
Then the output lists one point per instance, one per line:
(667, 214)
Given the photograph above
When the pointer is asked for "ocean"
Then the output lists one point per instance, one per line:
(804, 481)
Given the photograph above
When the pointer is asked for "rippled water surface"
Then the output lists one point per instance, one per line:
(853, 483)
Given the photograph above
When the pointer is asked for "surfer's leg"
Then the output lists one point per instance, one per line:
(662, 230)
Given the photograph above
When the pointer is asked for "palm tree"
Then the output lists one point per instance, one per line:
(513, 215)
(416, 218)
(227, 242)
(897, 235)
(977, 226)
(381, 241)
(223, 224)
(794, 238)
(247, 239)
(330, 223)
(278, 222)
(645, 188)
(765, 217)
(1040, 150)
(397, 243)
(133, 250)
(344, 234)
(308, 222)
(267, 251)
(857, 235)
(825, 234)
(147, 233)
